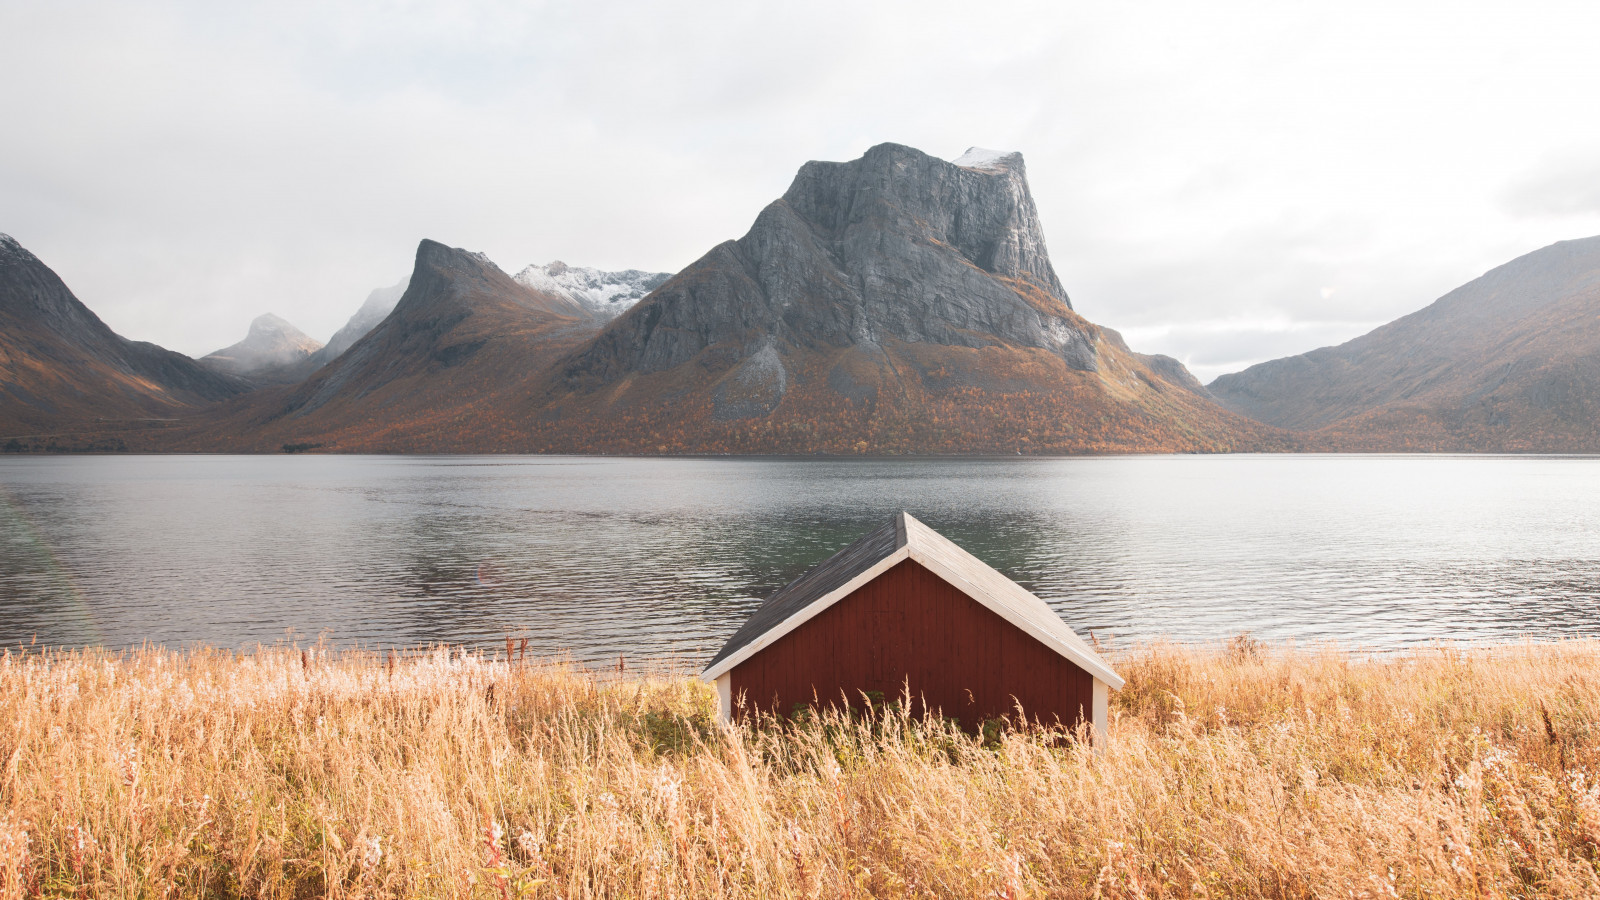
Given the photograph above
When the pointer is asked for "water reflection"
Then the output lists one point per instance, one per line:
(606, 557)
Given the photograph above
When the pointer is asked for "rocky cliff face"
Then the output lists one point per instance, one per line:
(605, 295)
(894, 245)
(61, 367)
(893, 303)
(272, 345)
(1504, 362)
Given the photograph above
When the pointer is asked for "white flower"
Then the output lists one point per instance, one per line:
(373, 854)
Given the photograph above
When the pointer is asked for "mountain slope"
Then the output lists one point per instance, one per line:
(895, 303)
(434, 376)
(269, 353)
(63, 371)
(604, 294)
(1507, 362)
(377, 307)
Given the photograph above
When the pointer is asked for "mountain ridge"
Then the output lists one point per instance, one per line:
(379, 303)
(428, 377)
(1503, 362)
(65, 374)
(895, 303)
(893, 295)
(605, 294)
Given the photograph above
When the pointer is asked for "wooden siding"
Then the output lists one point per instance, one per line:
(910, 625)
(833, 574)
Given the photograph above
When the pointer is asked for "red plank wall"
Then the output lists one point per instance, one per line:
(908, 623)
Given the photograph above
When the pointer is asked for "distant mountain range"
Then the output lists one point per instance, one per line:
(896, 303)
(442, 372)
(1507, 362)
(275, 352)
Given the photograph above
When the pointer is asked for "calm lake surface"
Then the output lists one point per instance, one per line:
(652, 558)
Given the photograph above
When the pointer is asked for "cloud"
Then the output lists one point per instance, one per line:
(1569, 187)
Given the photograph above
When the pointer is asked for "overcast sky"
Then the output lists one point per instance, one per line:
(1223, 182)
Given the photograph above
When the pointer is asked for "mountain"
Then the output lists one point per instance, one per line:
(268, 354)
(378, 305)
(67, 380)
(1507, 362)
(436, 375)
(295, 366)
(604, 294)
(894, 303)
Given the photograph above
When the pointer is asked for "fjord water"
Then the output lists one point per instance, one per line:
(663, 558)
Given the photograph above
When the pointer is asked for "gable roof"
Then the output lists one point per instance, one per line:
(875, 553)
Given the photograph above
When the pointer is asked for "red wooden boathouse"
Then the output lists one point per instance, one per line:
(903, 606)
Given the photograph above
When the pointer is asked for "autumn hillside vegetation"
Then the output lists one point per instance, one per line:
(1232, 771)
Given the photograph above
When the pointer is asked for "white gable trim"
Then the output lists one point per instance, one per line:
(725, 698)
(806, 614)
(1093, 666)
(1101, 699)
(1072, 654)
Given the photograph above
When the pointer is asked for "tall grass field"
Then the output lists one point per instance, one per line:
(1236, 771)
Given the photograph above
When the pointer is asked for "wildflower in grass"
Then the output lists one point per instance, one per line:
(15, 842)
(372, 855)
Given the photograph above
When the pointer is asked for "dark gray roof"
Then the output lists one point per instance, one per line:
(831, 574)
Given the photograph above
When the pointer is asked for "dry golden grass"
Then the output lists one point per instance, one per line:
(1231, 772)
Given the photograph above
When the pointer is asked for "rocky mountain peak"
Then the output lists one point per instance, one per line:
(30, 291)
(444, 280)
(449, 285)
(604, 294)
(979, 206)
(989, 160)
(895, 245)
(271, 343)
(60, 365)
(461, 323)
(269, 326)
(432, 255)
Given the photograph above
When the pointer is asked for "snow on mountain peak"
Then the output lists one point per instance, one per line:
(983, 158)
(606, 294)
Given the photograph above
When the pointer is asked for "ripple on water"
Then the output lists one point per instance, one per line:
(601, 557)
